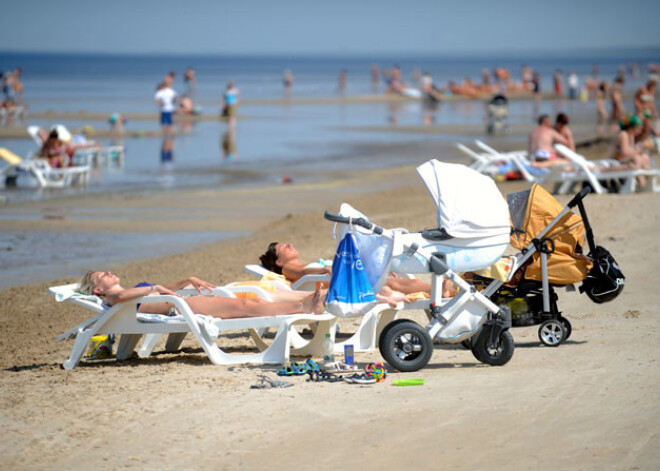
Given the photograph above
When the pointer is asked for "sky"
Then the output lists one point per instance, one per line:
(283, 27)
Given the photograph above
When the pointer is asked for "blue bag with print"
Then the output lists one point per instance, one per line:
(350, 294)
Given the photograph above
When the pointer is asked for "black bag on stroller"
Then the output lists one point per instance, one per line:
(605, 280)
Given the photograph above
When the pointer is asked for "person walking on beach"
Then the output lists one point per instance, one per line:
(341, 82)
(573, 84)
(618, 112)
(288, 82)
(559, 83)
(190, 80)
(645, 98)
(230, 101)
(166, 99)
(375, 76)
(601, 96)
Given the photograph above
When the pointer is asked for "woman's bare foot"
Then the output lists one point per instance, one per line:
(393, 298)
(315, 302)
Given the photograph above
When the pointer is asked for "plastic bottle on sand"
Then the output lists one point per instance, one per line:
(328, 350)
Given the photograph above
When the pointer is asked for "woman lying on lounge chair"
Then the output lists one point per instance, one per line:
(106, 285)
(284, 259)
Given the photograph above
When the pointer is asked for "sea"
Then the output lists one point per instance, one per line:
(272, 138)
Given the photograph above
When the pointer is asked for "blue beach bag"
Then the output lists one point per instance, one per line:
(350, 294)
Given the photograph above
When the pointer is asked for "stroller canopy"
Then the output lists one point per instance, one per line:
(468, 204)
(532, 211)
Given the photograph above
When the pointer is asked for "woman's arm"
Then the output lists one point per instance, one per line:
(134, 293)
(293, 272)
(196, 283)
(628, 150)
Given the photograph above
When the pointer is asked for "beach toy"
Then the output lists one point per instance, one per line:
(100, 346)
(377, 371)
(408, 382)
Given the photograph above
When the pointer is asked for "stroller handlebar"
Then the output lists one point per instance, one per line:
(579, 197)
(362, 222)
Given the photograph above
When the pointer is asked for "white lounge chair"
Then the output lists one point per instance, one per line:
(594, 175)
(46, 176)
(490, 163)
(125, 320)
(564, 177)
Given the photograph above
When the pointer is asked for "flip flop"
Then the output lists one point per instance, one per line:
(295, 369)
(286, 370)
(340, 367)
(266, 383)
(318, 376)
(360, 378)
(312, 365)
(299, 368)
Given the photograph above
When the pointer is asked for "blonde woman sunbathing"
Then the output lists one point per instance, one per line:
(106, 285)
(284, 259)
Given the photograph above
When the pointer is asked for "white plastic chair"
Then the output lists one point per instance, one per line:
(125, 320)
(594, 175)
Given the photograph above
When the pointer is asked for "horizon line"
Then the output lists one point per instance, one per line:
(584, 52)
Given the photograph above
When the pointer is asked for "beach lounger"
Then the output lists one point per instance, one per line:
(365, 339)
(564, 178)
(46, 176)
(594, 175)
(124, 319)
(490, 163)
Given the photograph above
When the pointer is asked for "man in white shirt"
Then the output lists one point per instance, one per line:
(166, 99)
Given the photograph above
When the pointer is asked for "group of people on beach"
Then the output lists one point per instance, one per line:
(630, 147)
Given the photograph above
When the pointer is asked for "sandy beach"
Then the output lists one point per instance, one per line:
(591, 403)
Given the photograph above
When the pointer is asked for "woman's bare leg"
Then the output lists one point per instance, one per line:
(407, 286)
(229, 308)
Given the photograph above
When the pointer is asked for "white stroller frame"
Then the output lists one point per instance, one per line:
(451, 320)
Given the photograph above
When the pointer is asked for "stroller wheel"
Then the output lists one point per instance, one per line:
(406, 346)
(497, 353)
(552, 333)
(381, 337)
(567, 325)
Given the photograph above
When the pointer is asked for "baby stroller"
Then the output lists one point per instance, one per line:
(551, 241)
(473, 233)
(498, 111)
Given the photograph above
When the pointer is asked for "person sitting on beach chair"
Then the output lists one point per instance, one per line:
(106, 285)
(284, 260)
(53, 150)
(541, 144)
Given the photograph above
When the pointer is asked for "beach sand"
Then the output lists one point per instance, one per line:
(592, 403)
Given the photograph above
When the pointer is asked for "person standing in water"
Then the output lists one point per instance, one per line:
(230, 101)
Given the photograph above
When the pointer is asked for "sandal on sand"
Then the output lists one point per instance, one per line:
(295, 369)
(360, 378)
(317, 376)
(266, 383)
(312, 365)
(340, 367)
